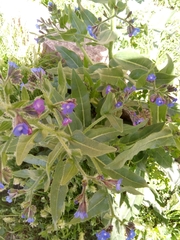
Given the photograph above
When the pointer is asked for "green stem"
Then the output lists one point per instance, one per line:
(157, 114)
(68, 151)
(113, 28)
(84, 52)
(94, 123)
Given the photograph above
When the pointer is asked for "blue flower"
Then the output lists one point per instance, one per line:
(108, 89)
(118, 104)
(8, 199)
(66, 121)
(103, 235)
(68, 108)
(131, 235)
(50, 4)
(39, 72)
(133, 31)
(151, 77)
(129, 90)
(12, 67)
(1, 185)
(21, 128)
(159, 101)
(138, 121)
(38, 106)
(81, 212)
(118, 184)
(30, 220)
(12, 64)
(171, 104)
(91, 30)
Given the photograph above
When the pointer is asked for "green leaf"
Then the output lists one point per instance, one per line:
(61, 80)
(100, 1)
(24, 94)
(116, 122)
(169, 66)
(163, 78)
(103, 134)
(69, 35)
(162, 157)
(121, 6)
(158, 113)
(71, 58)
(63, 21)
(130, 60)
(108, 104)
(129, 178)
(106, 37)
(113, 76)
(154, 140)
(77, 23)
(81, 94)
(39, 160)
(69, 171)
(57, 199)
(24, 145)
(5, 125)
(145, 132)
(26, 173)
(88, 146)
(88, 17)
(97, 205)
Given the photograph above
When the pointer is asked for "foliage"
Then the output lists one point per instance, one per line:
(104, 136)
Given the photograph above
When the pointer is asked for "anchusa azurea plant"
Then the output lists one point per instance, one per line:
(97, 122)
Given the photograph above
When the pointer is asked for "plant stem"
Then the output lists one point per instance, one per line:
(94, 123)
(84, 52)
(113, 28)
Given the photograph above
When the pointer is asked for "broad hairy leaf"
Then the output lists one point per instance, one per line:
(129, 178)
(71, 58)
(108, 104)
(24, 145)
(78, 24)
(88, 17)
(39, 160)
(69, 35)
(26, 173)
(106, 37)
(113, 76)
(162, 157)
(88, 146)
(103, 134)
(154, 140)
(5, 125)
(169, 66)
(61, 80)
(163, 78)
(81, 94)
(116, 122)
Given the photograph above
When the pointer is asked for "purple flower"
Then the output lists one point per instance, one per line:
(39, 72)
(118, 104)
(159, 101)
(81, 212)
(171, 104)
(21, 128)
(133, 31)
(108, 89)
(1, 185)
(138, 121)
(68, 108)
(92, 30)
(129, 90)
(66, 121)
(12, 64)
(38, 106)
(8, 199)
(50, 4)
(103, 235)
(30, 220)
(118, 184)
(131, 235)
(151, 77)
(153, 98)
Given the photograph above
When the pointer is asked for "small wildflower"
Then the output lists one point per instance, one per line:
(159, 101)
(21, 128)
(103, 235)
(68, 108)
(151, 77)
(1, 186)
(38, 72)
(153, 98)
(8, 199)
(129, 90)
(92, 30)
(118, 104)
(118, 184)
(50, 4)
(30, 220)
(14, 73)
(81, 212)
(133, 31)
(171, 104)
(38, 106)
(108, 89)
(131, 235)
(66, 121)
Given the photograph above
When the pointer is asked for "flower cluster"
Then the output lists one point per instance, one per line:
(12, 193)
(81, 200)
(66, 109)
(38, 72)
(21, 126)
(29, 212)
(131, 235)
(110, 183)
(14, 73)
(129, 90)
(135, 118)
(103, 235)
(130, 231)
